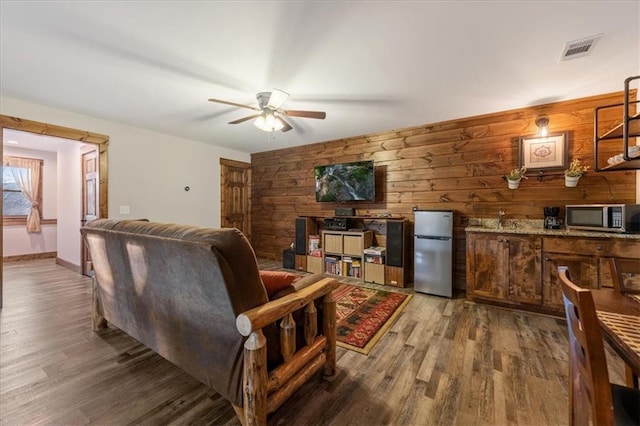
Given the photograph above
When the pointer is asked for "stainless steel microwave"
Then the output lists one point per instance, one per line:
(604, 217)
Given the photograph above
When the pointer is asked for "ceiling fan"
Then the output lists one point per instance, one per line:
(270, 117)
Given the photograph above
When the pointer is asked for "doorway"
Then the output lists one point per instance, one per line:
(15, 123)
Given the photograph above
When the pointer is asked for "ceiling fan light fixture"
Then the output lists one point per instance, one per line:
(268, 122)
(269, 117)
(277, 98)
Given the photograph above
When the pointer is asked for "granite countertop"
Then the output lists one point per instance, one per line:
(535, 227)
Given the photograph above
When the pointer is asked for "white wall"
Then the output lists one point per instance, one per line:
(69, 203)
(148, 170)
(16, 240)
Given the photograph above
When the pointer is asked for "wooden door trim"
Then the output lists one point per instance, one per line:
(235, 163)
(40, 128)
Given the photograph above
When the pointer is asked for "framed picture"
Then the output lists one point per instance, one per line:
(544, 153)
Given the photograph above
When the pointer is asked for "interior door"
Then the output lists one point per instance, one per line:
(90, 200)
(235, 195)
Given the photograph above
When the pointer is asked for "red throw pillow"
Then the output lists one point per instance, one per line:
(274, 281)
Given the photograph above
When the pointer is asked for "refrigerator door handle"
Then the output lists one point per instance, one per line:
(426, 237)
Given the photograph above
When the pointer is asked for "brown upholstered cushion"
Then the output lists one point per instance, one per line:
(274, 281)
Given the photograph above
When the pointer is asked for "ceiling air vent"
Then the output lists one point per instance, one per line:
(579, 48)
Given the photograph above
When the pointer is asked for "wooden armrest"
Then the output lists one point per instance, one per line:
(257, 318)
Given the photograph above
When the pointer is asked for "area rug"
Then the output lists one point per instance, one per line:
(363, 315)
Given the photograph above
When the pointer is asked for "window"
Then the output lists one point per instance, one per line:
(15, 204)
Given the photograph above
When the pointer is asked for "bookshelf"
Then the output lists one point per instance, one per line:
(343, 252)
(339, 246)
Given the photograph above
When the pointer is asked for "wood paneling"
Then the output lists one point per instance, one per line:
(457, 165)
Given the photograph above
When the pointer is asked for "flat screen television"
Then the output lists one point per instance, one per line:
(345, 182)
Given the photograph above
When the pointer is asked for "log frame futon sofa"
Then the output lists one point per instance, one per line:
(194, 296)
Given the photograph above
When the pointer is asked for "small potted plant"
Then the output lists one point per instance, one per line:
(514, 177)
(573, 174)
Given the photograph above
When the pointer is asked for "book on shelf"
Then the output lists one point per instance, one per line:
(351, 267)
(356, 269)
(314, 243)
(332, 265)
(375, 250)
(371, 258)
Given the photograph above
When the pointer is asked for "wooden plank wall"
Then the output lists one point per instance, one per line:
(453, 165)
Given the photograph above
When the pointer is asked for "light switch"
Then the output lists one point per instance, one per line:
(124, 210)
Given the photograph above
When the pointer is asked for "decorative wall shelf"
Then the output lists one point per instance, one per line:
(629, 128)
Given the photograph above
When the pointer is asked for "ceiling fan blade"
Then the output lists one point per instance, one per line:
(233, 104)
(277, 98)
(308, 114)
(242, 120)
(286, 127)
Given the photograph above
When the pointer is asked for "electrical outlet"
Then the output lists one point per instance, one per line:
(125, 210)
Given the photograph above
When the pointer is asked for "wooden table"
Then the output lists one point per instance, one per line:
(619, 318)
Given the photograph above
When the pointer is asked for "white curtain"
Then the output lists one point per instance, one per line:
(26, 172)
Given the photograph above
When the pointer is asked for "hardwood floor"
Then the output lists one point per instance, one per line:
(443, 362)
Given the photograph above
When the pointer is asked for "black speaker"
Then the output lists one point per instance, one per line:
(304, 227)
(395, 243)
(288, 259)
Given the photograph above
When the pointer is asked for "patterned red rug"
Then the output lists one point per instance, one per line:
(363, 315)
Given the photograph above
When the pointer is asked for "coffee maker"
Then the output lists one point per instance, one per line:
(552, 218)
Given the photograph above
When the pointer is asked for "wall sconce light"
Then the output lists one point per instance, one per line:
(542, 121)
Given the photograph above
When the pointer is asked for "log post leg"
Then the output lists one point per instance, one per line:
(97, 314)
(329, 330)
(287, 337)
(255, 380)
(310, 323)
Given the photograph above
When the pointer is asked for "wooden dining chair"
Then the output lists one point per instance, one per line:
(625, 274)
(590, 392)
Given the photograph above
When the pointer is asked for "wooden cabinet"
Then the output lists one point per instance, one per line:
(521, 269)
(579, 254)
(344, 252)
(505, 268)
(588, 262)
(583, 271)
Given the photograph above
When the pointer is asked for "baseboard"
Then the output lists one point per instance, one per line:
(30, 256)
(73, 267)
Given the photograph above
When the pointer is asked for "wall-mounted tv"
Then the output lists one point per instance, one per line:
(345, 182)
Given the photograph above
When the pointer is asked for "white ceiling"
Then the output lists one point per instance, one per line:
(372, 66)
(25, 140)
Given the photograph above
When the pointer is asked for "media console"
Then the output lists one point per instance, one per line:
(348, 251)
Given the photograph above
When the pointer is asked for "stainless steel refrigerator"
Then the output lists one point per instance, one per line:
(433, 248)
